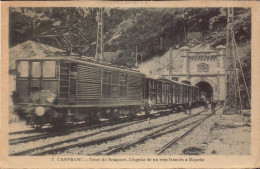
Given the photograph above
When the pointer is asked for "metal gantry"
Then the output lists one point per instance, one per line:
(231, 73)
(100, 38)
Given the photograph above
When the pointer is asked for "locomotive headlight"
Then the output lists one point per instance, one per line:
(39, 111)
(50, 98)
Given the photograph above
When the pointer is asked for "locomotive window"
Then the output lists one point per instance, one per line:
(73, 67)
(36, 69)
(49, 69)
(114, 90)
(123, 84)
(23, 69)
(123, 79)
(115, 84)
(115, 78)
(107, 80)
(107, 77)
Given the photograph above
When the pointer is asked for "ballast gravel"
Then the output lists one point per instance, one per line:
(42, 142)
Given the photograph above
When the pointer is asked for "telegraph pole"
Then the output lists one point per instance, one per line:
(230, 104)
(100, 37)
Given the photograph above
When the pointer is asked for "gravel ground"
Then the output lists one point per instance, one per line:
(220, 134)
(230, 135)
(19, 126)
(150, 146)
(41, 142)
(95, 148)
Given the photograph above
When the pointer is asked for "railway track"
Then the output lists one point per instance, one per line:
(176, 139)
(49, 132)
(111, 138)
(70, 140)
(61, 133)
(189, 127)
(65, 144)
(29, 131)
(162, 131)
(50, 129)
(173, 141)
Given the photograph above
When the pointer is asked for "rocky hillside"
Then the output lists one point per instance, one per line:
(151, 31)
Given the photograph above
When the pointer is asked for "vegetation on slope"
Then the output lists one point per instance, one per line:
(126, 29)
(144, 28)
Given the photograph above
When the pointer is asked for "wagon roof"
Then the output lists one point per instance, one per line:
(84, 60)
(177, 82)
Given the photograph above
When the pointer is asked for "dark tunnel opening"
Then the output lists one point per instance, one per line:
(206, 90)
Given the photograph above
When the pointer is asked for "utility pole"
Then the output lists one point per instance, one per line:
(170, 66)
(100, 37)
(136, 62)
(230, 104)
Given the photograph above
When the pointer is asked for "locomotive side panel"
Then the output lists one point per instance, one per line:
(101, 86)
(134, 89)
(88, 85)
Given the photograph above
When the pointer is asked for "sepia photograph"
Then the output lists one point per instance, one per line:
(129, 81)
(129, 84)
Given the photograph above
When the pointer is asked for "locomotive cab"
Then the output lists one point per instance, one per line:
(36, 88)
(36, 81)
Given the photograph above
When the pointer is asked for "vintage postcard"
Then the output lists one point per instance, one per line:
(88, 84)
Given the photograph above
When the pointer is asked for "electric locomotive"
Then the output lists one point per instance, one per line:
(66, 89)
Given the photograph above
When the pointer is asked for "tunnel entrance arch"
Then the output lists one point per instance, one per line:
(205, 69)
(206, 90)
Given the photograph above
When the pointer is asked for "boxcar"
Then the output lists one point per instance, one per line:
(163, 93)
(67, 89)
(183, 93)
(158, 92)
